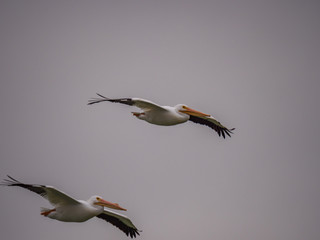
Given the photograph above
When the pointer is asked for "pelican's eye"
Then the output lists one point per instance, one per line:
(98, 198)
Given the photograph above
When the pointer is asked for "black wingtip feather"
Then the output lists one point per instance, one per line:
(103, 96)
(127, 101)
(9, 182)
(39, 189)
(97, 100)
(13, 179)
(222, 131)
(129, 231)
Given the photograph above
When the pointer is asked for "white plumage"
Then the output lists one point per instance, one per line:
(166, 115)
(68, 209)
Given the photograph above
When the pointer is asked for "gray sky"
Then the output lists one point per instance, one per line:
(254, 65)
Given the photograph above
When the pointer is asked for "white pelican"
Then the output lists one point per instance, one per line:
(68, 209)
(166, 115)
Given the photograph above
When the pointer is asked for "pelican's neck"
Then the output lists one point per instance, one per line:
(89, 204)
(177, 109)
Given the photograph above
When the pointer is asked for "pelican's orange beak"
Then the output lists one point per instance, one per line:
(104, 203)
(193, 112)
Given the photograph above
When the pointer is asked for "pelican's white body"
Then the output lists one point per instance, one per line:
(167, 116)
(76, 212)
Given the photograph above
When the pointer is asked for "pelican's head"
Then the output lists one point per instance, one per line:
(186, 110)
(97, 200)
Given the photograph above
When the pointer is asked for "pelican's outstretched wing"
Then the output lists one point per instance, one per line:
(54, 196)
(213, 123)
(145, 105)
(120, 221)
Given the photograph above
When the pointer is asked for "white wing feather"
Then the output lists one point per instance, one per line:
(147, 105)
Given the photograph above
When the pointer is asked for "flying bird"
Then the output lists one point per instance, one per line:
(166, 115)
(68, 209)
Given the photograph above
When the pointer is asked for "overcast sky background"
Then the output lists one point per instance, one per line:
(254, 65)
